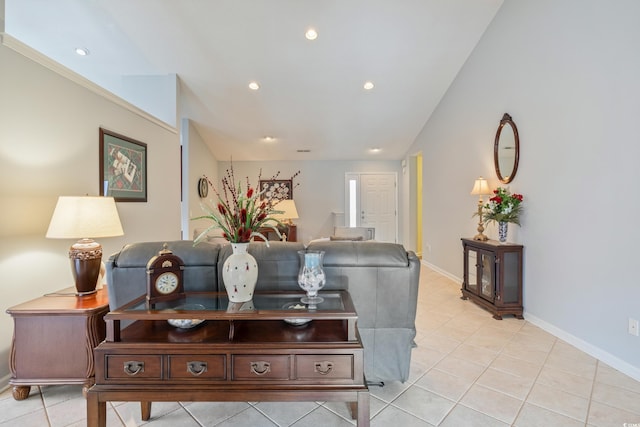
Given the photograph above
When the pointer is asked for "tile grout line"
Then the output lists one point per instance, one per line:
(475, 381)
(535, 380)
(44, 406)
(593, 386)
(555, 342)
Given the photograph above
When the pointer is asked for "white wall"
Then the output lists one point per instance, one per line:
(567, 71)
(49, 147)
(320, 191)
(199, 162)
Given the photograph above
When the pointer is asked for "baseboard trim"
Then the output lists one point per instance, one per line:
(600, 354)
(441, 271)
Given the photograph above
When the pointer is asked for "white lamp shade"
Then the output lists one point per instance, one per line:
(288, 208)
(84, 217)
(481, 187)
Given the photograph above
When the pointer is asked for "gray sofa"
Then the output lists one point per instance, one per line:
(382, 279)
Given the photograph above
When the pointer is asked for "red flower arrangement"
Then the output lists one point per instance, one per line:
(240, 213)
(503, 207)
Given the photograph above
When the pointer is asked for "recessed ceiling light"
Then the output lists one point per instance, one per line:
(368, 85)
(375, 150)
(311, 34)
(82, 51)
(268, 138)
(254, 86)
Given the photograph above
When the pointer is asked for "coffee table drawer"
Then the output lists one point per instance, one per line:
(133, 366)
(261, 367)
(317, 366)
(197, 366)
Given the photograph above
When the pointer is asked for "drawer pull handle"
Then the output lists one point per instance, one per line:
(196, 368)
(323, 368)
(260, 368)
(133, 367)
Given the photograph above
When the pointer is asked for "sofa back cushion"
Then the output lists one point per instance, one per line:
(127, 269)
(361, 254)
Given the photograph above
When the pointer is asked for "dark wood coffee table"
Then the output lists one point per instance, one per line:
(255, 351)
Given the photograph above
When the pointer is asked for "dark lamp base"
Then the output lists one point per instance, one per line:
(86, 258)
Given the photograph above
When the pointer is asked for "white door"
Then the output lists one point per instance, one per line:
(372, 202)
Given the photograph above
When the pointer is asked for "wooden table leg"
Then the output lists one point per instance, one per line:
(20, 392)
(353, 410)
(363, 409)
(145, 409)
(96, 411)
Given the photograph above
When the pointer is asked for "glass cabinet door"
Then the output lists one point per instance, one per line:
(472, 270)
(511, 278)
(486, 262)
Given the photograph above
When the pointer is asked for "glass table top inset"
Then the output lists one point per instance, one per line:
(216, 306)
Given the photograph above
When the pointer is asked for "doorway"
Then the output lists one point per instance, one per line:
(372, 201)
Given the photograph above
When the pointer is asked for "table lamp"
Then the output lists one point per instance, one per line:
(83, 218)
(480, 188)
(289, 211)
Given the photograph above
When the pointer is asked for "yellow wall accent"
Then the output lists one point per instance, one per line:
(419, 204)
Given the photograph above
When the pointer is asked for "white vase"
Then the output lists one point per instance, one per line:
(240, 273)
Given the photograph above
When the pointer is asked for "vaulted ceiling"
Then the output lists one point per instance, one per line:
(311, 99)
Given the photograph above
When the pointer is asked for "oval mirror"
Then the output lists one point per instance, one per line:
(506, 150)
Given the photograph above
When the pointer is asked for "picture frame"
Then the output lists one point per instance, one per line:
(277, 189)
(123, 167)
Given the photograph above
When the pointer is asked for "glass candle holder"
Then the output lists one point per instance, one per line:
(311, 277)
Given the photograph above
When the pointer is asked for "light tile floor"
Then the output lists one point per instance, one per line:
(468, 370)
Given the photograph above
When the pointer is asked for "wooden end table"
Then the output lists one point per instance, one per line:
(53, 340)
(241, 352)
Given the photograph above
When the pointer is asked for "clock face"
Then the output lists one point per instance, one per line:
(166, 283)
(203, 187)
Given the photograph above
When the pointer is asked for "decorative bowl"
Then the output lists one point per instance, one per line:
(187, 323)
(295, 321)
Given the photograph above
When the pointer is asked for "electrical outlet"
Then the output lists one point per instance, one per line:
(633, 327)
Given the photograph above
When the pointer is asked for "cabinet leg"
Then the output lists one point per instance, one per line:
(20, 392)
(96, 411)
(497, 317)
(363, 409)
(145, 409)
(353, 410)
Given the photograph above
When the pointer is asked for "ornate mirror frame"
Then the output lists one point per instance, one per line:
(506, 150)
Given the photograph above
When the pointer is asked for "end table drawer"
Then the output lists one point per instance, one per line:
(324, 366)
(134, 366)
(261, 367)
(197, 366)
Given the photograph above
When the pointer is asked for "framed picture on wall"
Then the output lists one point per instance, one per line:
(123, 167)
(277, 189)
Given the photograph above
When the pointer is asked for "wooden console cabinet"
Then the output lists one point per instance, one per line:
(493, 276)
(241, 352)
(53, 340)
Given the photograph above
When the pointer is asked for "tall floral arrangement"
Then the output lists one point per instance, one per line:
(503, 207)
(240, 211)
